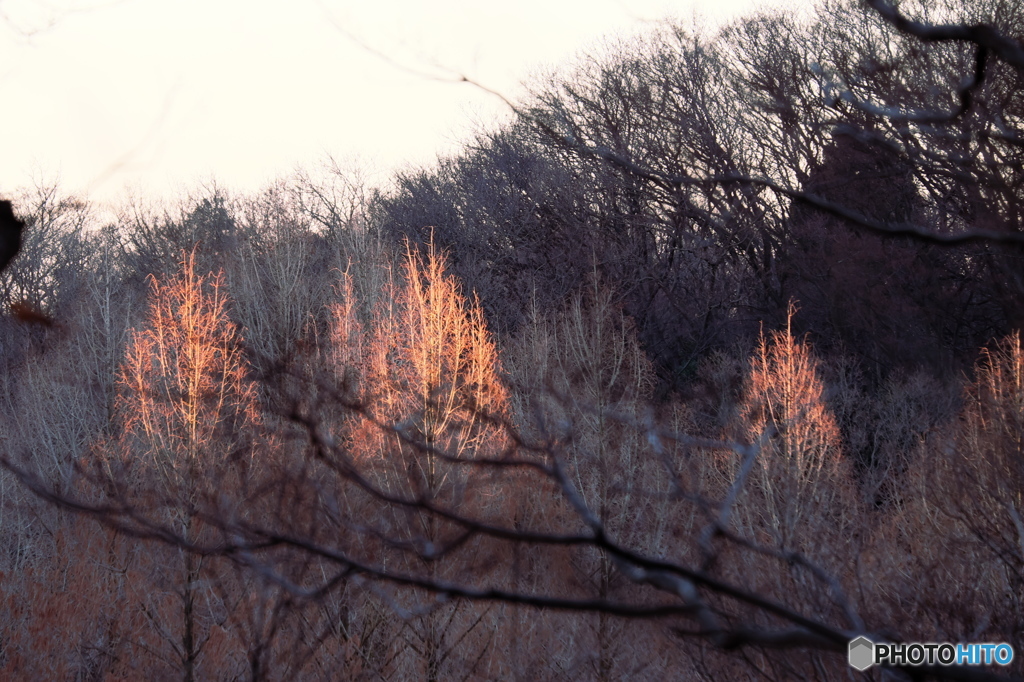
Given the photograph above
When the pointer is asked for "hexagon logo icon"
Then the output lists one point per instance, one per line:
(862, 653)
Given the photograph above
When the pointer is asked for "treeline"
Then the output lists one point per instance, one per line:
(823, 105)
(712, 353)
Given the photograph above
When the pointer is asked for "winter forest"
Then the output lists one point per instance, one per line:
(704, 365)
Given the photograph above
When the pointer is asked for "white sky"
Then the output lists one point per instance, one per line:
(159, 95)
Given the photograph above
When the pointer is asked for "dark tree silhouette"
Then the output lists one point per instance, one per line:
(10, 234)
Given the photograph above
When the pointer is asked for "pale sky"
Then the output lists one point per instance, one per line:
(160, 95)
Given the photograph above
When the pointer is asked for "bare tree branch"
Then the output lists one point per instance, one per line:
(984, 36)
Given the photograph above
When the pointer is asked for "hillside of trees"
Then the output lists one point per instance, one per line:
(706, 364)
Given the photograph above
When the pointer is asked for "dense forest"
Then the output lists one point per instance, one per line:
(704, 365)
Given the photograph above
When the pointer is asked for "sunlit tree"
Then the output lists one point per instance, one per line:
(801, 482)
(431, 367)
(188, 431)
(428, 373)
(186, 400)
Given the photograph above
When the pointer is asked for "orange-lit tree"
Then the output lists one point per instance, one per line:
(186, 401)
(430, 369)
(189, 421)
(429, 375)
(802, 481)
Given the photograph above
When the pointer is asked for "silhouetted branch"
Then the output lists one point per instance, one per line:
(982, 35)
